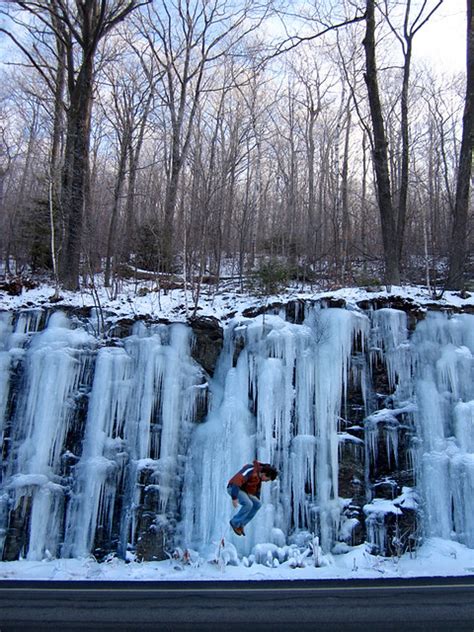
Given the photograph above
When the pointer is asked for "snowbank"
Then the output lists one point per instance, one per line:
(435, 557)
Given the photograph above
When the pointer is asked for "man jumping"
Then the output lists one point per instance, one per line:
(244, 489)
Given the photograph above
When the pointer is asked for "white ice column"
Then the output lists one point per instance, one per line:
(15, 333)
(389, 343)
(334, 331)
(219, 447)
(96, 473)
(54, 366)
(180, 387)
(143, 398)
(464, 425)
(443, 349)
(5, 360)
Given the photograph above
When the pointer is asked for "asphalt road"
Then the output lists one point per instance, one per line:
(433, 604)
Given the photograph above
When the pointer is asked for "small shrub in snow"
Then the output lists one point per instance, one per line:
(226, 554)
(340, 548)
(180, 558)
(300, 539)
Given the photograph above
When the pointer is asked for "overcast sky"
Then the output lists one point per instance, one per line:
(442, 41)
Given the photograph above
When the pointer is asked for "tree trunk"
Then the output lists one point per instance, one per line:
(380, 154)
(56, 142)
(404, 124)
(345, 215)
(458, 251)
(75, 173)
(134, 160)
(166, 254)
(111, 237)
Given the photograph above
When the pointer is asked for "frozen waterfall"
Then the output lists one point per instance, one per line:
(126, 444)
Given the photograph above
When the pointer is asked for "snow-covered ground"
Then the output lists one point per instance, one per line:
(142, 300)
(435, 557)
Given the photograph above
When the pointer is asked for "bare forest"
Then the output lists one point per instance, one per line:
(193, 140)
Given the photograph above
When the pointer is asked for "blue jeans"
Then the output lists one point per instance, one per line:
(249, 505)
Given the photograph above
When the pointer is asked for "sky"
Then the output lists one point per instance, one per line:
(442, 42)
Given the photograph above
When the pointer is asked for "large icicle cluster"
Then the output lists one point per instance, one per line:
(444, 389)
(141, 403)
(278, 400)
(370, 425)
(55, 367)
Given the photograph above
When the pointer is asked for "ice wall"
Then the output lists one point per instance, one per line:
(142, 404)
(368, 423)
(443, 350)
(277, 397)
(71, 481)
(55, 365)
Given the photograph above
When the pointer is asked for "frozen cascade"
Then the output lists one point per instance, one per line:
(55, 364)
(105, 448)
(444, 388)
(280, 403)
(389, 343)
(14, 335)
(98, 471)
(142, 404)
(5, 363)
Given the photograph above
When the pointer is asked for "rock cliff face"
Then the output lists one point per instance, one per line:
(123, 440)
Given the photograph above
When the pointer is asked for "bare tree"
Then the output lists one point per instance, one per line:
(127, 109)
(393, 219)
(5, 156)
(80, 26)
(411, 26)
(457, 249)
(188, 39)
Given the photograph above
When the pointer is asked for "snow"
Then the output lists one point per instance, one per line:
(176, 304)
(436, 557)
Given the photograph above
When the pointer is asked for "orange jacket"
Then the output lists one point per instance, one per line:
(247, 479)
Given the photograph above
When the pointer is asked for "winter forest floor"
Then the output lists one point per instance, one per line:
(144, 299)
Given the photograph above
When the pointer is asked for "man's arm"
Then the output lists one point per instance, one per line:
(237, 481)
(234, 491)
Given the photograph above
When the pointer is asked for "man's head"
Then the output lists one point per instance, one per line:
(268, 472)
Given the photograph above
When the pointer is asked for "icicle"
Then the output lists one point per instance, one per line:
(464, 416)
(444, 365)
(462, 485)
(437, 494)
(5, 360)
(302, 477)
(390, 342)
(454, 371)
(55, 364)
(95, 485)
(28, 321)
